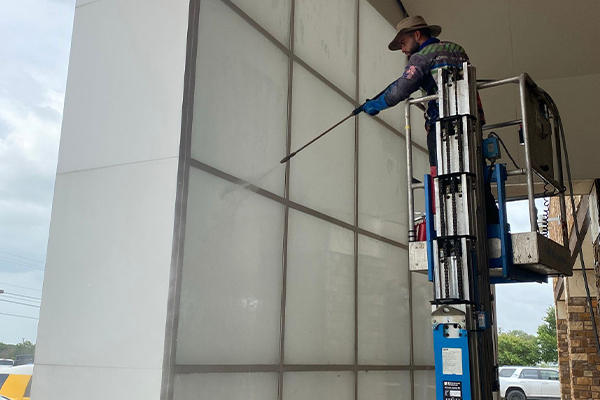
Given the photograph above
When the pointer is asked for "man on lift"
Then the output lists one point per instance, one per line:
(426, 52)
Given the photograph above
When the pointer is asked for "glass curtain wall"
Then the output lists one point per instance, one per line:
(294, 280)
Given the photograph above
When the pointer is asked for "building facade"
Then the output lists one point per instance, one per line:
(184, 260)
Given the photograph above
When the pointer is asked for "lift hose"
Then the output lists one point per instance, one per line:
(576, 224)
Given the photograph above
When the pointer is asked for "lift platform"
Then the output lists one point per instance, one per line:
(532, 253)
(463, 250)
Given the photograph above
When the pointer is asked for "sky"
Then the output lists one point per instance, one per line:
(33, 70)
(36, 37)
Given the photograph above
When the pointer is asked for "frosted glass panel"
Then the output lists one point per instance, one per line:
(318, 386)
(382, 190)
(273, 15)
(325, 37)
(378, 65)
(231, 283)
(322, 175)
(383, 311)
(384, 385)
(319, 325)
(247, 386)
(420, 168)
(422, 294)
(417, 119)
(240, 106)
(424, 385)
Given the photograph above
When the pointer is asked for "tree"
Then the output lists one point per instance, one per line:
(546, 337)
(517, 348)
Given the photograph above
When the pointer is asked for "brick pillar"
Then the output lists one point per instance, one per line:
(597, 267)
(564, 364)
(583, 358)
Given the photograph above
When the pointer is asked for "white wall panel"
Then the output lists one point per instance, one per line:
(273, 15)
(382, 192)
(108, 266)
(325, 37)
(237, 386)
(231, 283)
(240, 106)
(383, 298)
(319, 326)
(422, 292)
(125, 84)
(378, 66)
(322, 175)
(384, 385)
(318, 386)
(53, 382)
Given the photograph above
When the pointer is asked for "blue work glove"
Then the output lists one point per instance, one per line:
(372, 107)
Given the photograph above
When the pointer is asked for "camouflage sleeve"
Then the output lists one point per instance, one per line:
(410, 81)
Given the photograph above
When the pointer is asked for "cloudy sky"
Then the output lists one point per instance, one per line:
(33, 69)
(34, 50)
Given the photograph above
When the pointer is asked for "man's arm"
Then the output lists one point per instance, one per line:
(409, 82)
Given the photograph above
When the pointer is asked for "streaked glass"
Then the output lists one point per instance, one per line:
(378, 66)
(383, 309)
(273, 15)
(232, 273)
(325, 38)
(335, 385)
(382, 191)
(384, 385)
(422, 292)
(319, 324)
(240, 104)
(226, 386)
(322, 175)
(424, 385)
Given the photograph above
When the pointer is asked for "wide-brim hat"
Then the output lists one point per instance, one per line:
(412, 24)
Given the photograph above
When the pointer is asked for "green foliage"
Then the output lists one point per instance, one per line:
(546, 336)
(13, 350)
(520, 348)
(517, 348)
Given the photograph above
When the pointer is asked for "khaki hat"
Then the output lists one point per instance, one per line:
(411, 24)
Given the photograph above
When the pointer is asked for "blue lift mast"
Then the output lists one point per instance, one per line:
(465, 250)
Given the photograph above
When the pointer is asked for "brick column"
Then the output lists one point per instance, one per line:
(564, 364)
(583, 358)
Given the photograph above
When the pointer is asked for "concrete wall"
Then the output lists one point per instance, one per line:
(102, 322)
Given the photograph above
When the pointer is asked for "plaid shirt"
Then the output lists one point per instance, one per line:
(417, 75)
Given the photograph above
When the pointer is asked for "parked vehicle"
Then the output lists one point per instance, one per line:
(6, 362)
(529, 383)
(15, 382)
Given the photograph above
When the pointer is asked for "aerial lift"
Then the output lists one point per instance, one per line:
(462, 254)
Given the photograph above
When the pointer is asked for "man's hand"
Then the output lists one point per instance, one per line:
(372, 107)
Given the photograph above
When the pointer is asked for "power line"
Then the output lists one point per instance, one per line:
(21, 295)
(16, 255)
(21, 287)
(21, 264)
(18, 316)
(14, 298)
(21, 304)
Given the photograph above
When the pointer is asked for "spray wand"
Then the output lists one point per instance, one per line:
(356, 111)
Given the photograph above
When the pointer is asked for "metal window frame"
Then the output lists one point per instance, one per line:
(170, 368)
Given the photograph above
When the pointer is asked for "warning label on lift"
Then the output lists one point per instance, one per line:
(452, 390)
(452, 361)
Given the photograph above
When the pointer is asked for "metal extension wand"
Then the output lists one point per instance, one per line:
(356, 111)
